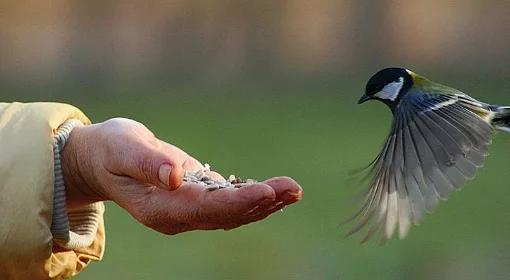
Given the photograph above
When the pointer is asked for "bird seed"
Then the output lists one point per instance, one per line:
(199, 177)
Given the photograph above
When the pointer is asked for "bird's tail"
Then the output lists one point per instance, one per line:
(501, 120)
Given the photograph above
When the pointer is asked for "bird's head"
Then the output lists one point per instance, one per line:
(388, 85)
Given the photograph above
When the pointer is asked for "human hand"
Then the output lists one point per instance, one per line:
(122, 161)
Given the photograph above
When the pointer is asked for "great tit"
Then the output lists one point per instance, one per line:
(438, 139)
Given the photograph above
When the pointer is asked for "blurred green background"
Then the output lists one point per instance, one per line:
(266, 88)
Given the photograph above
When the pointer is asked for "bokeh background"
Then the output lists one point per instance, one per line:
(265, 88)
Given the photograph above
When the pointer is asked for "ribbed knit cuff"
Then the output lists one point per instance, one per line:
(74, 228)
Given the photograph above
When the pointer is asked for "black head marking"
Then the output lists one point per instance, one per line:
(383, 78)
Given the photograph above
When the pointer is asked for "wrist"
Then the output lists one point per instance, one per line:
(77, 169)
(75, 220)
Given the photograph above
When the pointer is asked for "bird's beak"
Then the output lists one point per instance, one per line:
(363, 99)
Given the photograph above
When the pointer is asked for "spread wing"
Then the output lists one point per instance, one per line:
(437, 143)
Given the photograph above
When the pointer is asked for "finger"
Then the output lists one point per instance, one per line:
(193, 207)
(156, 163)
(229, 205)
(258, 213)
(163, 168)
(235, 206)
(176, 176)
(191, 164)
(287, 192)
(286, 189)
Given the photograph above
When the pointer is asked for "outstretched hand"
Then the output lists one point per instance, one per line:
(121, 160)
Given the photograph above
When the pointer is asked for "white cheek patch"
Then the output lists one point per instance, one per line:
(391, 90)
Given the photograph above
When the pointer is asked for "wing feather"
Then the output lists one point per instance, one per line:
(432, 154)
(415, 175)
(436, 144)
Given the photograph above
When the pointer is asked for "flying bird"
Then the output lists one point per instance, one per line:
(439, 138)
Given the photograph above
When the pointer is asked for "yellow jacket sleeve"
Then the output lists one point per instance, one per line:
(27, 179)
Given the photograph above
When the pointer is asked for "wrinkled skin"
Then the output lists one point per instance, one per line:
(122, 161)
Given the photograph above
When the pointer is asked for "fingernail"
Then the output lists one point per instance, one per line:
(164, 173)
(292, 196)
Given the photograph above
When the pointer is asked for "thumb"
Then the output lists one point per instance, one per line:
(171, 175)
(158, 168)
